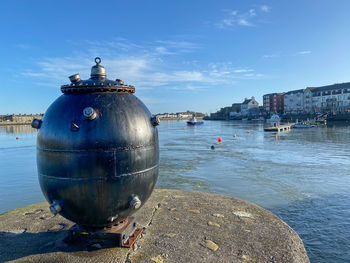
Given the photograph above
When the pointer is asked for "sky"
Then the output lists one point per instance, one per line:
(197, 55)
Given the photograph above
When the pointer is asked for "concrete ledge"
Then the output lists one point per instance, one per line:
(181, 226)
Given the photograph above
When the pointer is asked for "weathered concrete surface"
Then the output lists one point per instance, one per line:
(181, 226)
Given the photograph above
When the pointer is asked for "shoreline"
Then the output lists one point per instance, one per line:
(177, 119)
(15, 123)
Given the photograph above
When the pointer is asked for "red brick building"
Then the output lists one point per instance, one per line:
(274, 102)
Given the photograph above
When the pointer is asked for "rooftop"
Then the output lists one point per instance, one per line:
(246, 101)
(294, 91)
(331, 87)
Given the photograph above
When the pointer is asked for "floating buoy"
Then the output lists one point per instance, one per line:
(212, 147)
(219, 140)
(248, 132)
(17, 138)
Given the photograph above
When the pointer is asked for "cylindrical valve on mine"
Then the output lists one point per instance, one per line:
(55, 208)
(36, 123)
(135, 202)
(155, 121)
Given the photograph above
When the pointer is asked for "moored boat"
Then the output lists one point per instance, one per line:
(259, 119)
(303, 125)
(193, 121)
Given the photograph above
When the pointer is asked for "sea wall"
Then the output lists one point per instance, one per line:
(180, 226)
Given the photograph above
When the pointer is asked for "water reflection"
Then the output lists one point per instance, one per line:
(17, 129)
(276, 135)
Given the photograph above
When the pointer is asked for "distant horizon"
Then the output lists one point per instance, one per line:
(206, 113)
(201, 55)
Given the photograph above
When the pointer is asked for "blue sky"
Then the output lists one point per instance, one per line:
(198, 55)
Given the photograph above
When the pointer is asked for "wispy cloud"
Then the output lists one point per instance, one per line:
(244, 22)
(146, 66)
(179, 46)
(242, 70)
(23, 46)
(265, 8)
(304, 52)
(247, 18)
(278, 55)
(271, 56)
(163, 51)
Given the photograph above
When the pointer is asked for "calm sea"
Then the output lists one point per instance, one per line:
(303, 176)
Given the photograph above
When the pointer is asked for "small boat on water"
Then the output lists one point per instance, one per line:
(193, 121)
(302, 125)
(259, 119)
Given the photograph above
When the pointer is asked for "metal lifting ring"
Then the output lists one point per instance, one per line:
(97, 60)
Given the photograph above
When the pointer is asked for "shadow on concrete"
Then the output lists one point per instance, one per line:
(18, 245)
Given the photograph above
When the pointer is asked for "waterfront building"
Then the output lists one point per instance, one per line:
(20, 118)
(266, 102)
(236, 107)
(293, 101)
(235, 115)
(222, 114)
(180, 115)
(274, 102)
(167, 116)
(250, 107)
(331, 98)
(307, 100)
(184, 115)
(188, 114)
(235, 112)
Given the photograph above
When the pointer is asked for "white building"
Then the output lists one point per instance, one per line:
(167, 116)
(183, 115)
(307, 100)
(293, 101)
(249, 107)
(332, 98)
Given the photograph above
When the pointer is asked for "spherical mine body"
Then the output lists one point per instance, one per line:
(97, 154)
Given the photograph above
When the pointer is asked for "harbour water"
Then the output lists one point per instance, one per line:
(303, 176)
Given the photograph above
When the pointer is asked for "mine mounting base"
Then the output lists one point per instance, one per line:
(124, 233)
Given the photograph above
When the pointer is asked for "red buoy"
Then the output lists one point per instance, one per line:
(248, 132)
(17, 138)
(219, 140)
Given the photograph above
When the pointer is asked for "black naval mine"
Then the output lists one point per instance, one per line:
(98, 155)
